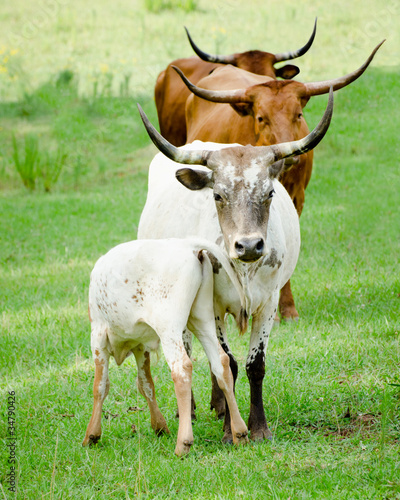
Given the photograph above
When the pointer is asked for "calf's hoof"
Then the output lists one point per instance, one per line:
(161, 431)
(240, 438)
(183, 448)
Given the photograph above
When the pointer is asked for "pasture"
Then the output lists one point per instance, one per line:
(70, 76)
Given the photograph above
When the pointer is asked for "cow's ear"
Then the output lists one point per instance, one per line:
(243, 108)
(194, 179)
(287, 72)
(304, 100)
(277, 168)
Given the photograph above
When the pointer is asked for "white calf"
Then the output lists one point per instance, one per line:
(145, 292)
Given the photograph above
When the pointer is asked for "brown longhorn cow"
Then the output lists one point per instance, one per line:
(171, 93)
(259, 112)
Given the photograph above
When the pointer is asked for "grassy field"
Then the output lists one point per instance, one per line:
(70, 76)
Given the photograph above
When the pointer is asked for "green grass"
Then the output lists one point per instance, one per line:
(330, 389)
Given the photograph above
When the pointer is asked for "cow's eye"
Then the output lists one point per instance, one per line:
(299, 116)
(260, 119)
(217, 197)
(271, 193)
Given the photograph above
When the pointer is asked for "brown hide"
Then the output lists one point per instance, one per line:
(171, 93)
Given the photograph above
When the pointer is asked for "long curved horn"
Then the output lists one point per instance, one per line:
(286, 56)
(317, 88)
(196, 157)
(309, 142)
(209, 57)
(227, 96)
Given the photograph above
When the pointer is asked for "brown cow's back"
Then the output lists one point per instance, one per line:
(171, 94)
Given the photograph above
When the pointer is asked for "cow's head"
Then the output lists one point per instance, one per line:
(276, 106)
(257, 61)
(242, 182)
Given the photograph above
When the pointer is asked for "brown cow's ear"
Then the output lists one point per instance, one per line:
(287, 72)
(304, 100)
(194, 179)
(242, 108)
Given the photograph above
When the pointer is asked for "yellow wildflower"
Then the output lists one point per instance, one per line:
(3, 69)
(104, 68)
(13, 52)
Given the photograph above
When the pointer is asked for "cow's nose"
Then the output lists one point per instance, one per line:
(249, 249)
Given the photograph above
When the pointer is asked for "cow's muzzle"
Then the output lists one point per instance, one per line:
(250, 249)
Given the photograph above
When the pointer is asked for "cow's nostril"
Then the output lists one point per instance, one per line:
(249, 249)
(238, 246)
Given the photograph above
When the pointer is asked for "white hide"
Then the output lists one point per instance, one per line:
(172, 210)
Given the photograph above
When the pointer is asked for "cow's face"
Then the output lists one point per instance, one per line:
(277, 110)
(262, 63)
(243, 192)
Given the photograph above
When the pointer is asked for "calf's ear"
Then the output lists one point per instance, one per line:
(194, 179)
(287, 72)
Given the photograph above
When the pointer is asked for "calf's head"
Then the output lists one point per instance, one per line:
(242, 182)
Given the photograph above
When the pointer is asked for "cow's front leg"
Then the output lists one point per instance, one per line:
(255, 368)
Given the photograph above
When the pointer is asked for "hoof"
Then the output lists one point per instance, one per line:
(162, 431)
(228, 438)
(260, 436)
(241, 438)
(90, 440)
(290, 319)
(183, 448)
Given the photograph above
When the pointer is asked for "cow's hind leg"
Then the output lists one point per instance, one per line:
(146, 389)
(101, 386)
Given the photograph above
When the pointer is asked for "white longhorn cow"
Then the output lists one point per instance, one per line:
(233, 199)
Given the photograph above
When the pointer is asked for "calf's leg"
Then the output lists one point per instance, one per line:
(146, 389)
(181, 371)
(101, 387)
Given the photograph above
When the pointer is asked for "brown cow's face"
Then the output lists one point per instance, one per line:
(262, 63)
(243, 193)
(277, 110)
